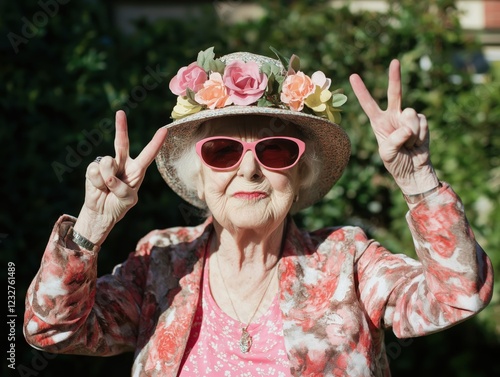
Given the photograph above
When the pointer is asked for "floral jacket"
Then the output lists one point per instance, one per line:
(338, 292)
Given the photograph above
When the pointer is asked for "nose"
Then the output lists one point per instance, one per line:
(249, 167)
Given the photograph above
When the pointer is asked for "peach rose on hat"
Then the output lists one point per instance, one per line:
(296, 88)
(213, 94)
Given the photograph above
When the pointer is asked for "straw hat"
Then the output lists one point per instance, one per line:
(291, 96)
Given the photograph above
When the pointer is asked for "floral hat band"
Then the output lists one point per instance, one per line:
(245, 79)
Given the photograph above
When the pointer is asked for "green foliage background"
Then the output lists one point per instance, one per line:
(61, 85)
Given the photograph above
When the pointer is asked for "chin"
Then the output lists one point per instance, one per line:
(249, 214)
(248, 218)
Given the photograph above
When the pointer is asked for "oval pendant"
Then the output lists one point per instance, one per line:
(245, 341)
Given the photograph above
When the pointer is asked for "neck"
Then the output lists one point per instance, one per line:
(243, 272)
(242, 248)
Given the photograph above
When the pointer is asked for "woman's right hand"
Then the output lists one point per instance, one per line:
(112, 184)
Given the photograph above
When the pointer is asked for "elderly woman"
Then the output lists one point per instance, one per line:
(247, 293)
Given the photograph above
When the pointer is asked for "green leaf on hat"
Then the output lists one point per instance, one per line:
(274, 78)
(338, 99)
(280, 80)
(205, 57)
(190, 96)
(270, 69)
(263, 102)
(216, 66)
(266, 69)
(285, 61)
(270, 82)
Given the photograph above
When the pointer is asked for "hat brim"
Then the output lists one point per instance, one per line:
(332, 147)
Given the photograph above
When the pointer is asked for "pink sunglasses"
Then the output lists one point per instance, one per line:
(273, 153)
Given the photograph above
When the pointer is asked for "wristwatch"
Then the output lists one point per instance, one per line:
(81, 240)
(415, 198)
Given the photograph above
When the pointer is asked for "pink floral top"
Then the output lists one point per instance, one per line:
(213, 351)
(338, 291)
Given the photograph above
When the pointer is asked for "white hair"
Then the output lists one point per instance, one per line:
(188, 164)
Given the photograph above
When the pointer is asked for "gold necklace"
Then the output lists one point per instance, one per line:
(246, 339)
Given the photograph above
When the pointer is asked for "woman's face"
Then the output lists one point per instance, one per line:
(248, 196)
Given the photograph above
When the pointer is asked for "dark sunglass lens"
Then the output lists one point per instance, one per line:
(221, 153)
(277, 153)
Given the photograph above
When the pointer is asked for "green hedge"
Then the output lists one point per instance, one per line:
(66, 69)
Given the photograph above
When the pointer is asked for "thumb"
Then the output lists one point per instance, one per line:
(390, 147)
(148, 154)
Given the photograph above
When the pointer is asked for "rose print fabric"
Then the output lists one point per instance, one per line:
(338, 291)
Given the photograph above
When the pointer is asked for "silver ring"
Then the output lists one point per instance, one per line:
(98, 159)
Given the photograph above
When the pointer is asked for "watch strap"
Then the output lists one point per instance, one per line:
(415, 198)
(81, 241)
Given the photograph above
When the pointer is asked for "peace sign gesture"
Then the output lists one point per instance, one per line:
(112, 183)
(402, 135)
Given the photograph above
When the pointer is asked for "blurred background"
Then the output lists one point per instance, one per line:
(67, 65)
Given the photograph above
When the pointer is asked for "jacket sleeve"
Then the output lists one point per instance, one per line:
(451, 281)
(69, 310)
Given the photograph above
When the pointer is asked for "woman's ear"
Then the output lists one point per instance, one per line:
(302, 177)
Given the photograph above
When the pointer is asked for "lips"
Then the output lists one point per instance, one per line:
(250, 195)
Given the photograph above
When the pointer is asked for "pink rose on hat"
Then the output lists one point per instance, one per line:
(192, 77)
(245, 83)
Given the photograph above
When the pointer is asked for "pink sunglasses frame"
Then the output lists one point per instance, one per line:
(250, 146)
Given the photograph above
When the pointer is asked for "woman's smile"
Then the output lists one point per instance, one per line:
(250, 195)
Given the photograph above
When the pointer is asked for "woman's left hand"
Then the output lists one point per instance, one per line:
(402, 135)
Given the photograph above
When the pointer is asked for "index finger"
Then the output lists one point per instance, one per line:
(365, 99)
(121, 139)
(150, 151)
